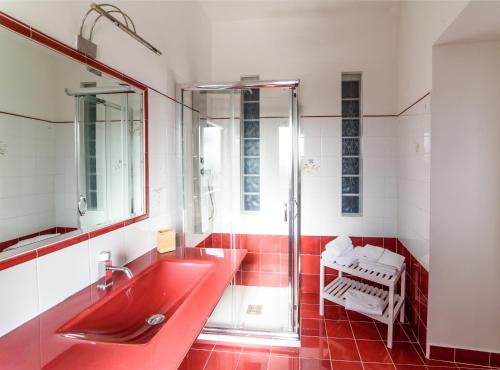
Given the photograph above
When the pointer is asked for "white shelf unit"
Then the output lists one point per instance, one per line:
(394, 303)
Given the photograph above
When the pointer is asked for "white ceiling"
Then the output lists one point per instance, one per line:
(229, 10)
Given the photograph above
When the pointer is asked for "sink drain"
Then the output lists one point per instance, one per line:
(155, 319)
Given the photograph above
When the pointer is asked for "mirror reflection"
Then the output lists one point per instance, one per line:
(71, 146)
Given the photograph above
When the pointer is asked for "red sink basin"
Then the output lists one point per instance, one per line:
(122, 316)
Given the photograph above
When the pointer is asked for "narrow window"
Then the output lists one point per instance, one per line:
(351, 144)
(250, 149)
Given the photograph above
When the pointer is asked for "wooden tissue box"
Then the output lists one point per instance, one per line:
(166, 240)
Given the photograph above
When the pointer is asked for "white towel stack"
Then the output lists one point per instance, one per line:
(379, 260)
(340, 250)
(363, 302)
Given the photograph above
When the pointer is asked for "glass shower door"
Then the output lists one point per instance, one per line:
(240, 191)
(103, 139)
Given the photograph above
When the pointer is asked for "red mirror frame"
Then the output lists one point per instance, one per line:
(22, 29)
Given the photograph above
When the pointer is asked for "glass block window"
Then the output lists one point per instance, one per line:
(89, 122)
(351, 144)
(250, 150)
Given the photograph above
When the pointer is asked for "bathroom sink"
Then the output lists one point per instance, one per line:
(135, 312)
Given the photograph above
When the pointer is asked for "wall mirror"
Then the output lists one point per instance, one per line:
(72, 147)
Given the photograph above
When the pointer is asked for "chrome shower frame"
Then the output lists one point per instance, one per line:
(226, 334)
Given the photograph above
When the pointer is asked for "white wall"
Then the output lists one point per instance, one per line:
(464, 299)
(421, 23)
(317, 49)
(181, 31)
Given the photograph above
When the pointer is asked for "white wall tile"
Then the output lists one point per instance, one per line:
(19, 292)
(63, 273)
(112, 241)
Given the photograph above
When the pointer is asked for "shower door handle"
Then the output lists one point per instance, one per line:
(82, 205)
(285, 218)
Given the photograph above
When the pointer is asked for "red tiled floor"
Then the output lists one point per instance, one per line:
(342, 340)
(373, 351)
(195, 359)
(405, 353)
(265, 350)
(343, 349)
(284, 363)
(253, 361)
(347, 365)
(365, 330)
(222, 361)
(338, 329)
(377, 366)
(314, 347)
(335, 313)
(313, 327)
(314, 364)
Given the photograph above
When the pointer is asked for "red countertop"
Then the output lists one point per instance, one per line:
(36, 345)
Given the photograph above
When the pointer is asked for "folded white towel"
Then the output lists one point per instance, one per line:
(369, 252)
(378, 267)
(363, 302)
(392, 259)
(328, 256)
(347, 259)
(339, 245)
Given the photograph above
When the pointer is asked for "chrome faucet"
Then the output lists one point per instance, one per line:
(105, 270)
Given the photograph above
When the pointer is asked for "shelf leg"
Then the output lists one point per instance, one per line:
(390, 325)
(321, 289)
(403, 297)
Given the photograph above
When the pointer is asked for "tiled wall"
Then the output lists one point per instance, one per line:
(414, 146)
(321, 187)
(266, 264)
(32, 287)
(27, 163)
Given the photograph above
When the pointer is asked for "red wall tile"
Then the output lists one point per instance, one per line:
(310, 245)
(270, 243)
(270, 262)
(251, 242)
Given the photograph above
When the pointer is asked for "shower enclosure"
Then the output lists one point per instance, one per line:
(241, 183)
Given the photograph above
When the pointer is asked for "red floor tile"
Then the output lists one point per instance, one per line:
(338, 329)
(410, 367)
(314, 364)
(356, 316)
(377, 366)
(284, 363)
(313, 327)
(398, 335)
(343, 349)
(309, 298)
(253, 361)
(285, 351)
(203, 344)
(228, 347)
(365, 330)
(314, 347)
(310, 311)
(335, 312)
(373, 351)
(264, 350)
(346, 365)
(405, 353)
(196, 359)
(222, 361)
